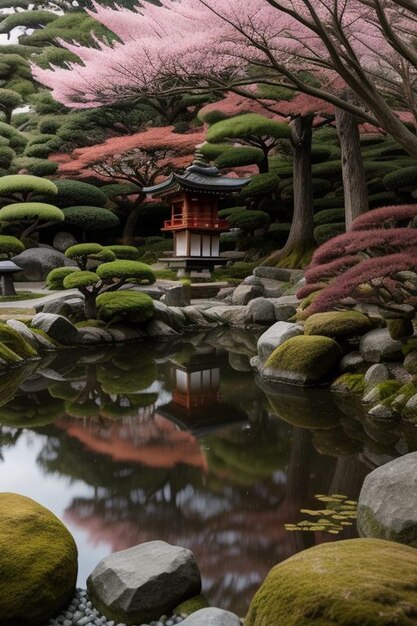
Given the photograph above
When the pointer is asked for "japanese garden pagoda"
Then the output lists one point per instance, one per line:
(194, 197)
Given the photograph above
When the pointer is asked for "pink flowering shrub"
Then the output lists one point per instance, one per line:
(387, 217)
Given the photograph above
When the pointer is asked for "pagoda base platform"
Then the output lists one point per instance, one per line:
(197, 264)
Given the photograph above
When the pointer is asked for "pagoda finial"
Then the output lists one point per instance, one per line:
(200, 159)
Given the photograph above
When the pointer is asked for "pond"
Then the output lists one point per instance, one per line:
(179, 441)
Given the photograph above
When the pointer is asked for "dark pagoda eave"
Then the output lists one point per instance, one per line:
(198, 184)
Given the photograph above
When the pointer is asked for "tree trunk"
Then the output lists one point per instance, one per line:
(300, 241)
(90, 309)
(263, 166)
(354, 181)
(128, 236)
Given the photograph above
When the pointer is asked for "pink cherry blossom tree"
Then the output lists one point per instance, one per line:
(209, 44)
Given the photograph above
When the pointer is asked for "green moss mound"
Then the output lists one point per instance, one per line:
(18, 183)
(309, 356)
(38, 562)
(80, 279)
(355, 383)
(31, 211)
(14, 341)
(357, 582)
(337, 324)
(129, 253)
(124, 305)
(71, 192)
(191, 606)
(55, 278)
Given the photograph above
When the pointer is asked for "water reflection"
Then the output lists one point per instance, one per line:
(179, 442)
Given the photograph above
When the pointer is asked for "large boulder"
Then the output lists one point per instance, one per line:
(275, 336)
(62, 241)
(387, 506)
(352, 582)
(212, 617)
(260, 311)
(245, 293)
(38, 563)
(337, 324)
(57, 328)
(36, 263)
(377, 346)
(142, 583)
(303, 360)
(285, 307)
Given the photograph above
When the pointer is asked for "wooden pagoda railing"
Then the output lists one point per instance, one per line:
(192, 220)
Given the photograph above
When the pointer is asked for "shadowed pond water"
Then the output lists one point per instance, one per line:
(180, 442)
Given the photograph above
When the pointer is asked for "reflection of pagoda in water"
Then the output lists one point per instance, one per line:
(196, 400)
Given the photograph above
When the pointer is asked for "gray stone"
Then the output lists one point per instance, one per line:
(387, 507)
(233, 315)
(175, 296)
(382, 412)
(376, 374)
(351, 362)
(24, 331)
(142, 583)
(159, 329)
(65, 306)
(225, 293)
(245, 293)
(411, 405)
(43, 344)
(273, 288)
(377, 346)
(275, 336)
(285, 307)
(62, 241)
(260, 311)
(274, 273)
(212, 617)
(36, 263)
(252, 280)
(57, 327)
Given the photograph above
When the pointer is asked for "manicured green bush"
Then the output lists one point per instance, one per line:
(337, 324)
(331, 201)
(10, 246)
(237, 157)
(385, 198)
(260, 185)
(38, 151)
(120, 189)
(55, 278)
(324, 232)
(124, 252)
(329, 216)
(77, 193)
(213, 150)
(128, 270)
(17, 139)
(329, 170)
(50, 123)
(26, 185)
(40, 139)
(35, 167)
(225, 213)
(90, 217)
(31, 211)
(248, 221)
(81, 253)
(246, 126)
(6, 156)
(403, 178)
(80, 279)
(125, 305)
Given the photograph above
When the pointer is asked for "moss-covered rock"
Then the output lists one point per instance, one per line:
(191, 606)
(410, 362)
(38, 562)
(14, 341)
(125, 305)
(349, 383)
(337, 324)
(357, 582)
(400, 328)
(305, 358)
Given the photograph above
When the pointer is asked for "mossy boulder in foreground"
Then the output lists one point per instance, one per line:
(357, 582)
(304, 359)
(38, 563)
(337, 324)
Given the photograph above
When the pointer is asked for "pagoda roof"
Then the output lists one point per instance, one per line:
(197, 178)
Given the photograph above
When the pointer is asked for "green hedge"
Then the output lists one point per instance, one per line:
(325, 232)
(90, 217)
(124, 252)
(401, 178)
(329, 216)
(24, 184)
(78, 280)
(128, 270)
(30, 211)
(77, 193)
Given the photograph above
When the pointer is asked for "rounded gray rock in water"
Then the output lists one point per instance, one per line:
(57, 327)
(212, 617)
(387, 506)
(140, 584)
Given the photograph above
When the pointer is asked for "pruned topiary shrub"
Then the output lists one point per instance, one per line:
(329, 216)
(130, 306)
(324, 232)
(31, 216)
(90, 218)
(10, 246)
(55, 278)
(337, 324)
(305, 358)
(78, 193)
(129, 253)
(22, 186)
(81, 253)
(132, 271)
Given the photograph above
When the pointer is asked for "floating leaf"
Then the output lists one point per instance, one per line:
(331, 520)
